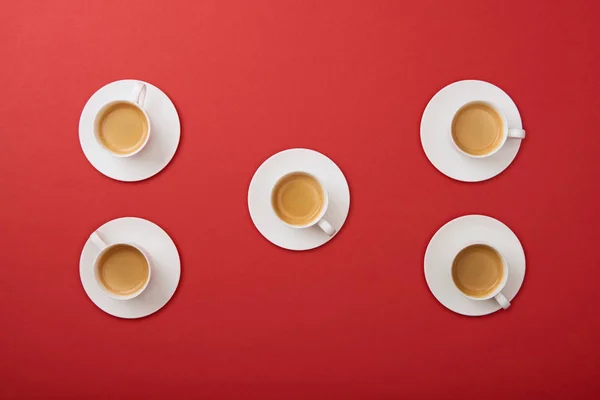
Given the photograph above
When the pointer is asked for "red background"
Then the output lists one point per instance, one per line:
(354, 318)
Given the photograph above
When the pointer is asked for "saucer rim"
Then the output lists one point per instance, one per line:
(443, 298)
(265, 164)
(494, 169)
(115, 307)
(97, 165)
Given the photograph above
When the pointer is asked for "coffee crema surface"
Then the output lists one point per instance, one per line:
(477, 270)
(298, 199)
(477, 129)
(123, 128)
(123, 270)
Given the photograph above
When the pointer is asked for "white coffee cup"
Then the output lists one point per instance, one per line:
(101, 244)
(512, 133)
(136, 99)
(318, 220)
(497, 293)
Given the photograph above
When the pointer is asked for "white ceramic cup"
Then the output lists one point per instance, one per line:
(512, 133)
(136, 99)
(101, 244)
(318, 220)
(497, 293)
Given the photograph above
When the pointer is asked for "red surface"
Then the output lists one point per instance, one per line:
(353, 319)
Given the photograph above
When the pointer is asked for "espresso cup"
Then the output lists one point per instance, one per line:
(122, 270)
(479, 129)
(300, 200)
(122, 127)
(480, 272)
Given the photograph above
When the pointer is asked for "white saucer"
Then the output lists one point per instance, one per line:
(457, 234)
(166, 267)
(161, 146)
(259, 201)
(435, 136)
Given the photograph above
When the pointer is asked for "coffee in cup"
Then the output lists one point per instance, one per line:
(480, 272)
(479, 129)
(122, 127)
(299, 200)
(122, 270)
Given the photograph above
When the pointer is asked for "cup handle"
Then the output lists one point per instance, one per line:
(98, 241)
(138, 94)
(501, 299)
(326, 226)
(516, 133)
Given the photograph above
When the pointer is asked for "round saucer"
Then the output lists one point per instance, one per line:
(161, 146)
(259, 198)
(166, 267)
(435, 136)
(455, 235)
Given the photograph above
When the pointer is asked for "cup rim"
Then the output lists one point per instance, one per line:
(116, 296)
(317, 218)
(501, 285)
(504, 130)
(101, 111)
